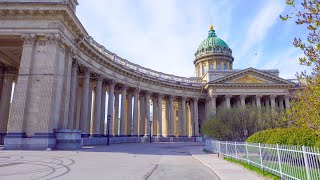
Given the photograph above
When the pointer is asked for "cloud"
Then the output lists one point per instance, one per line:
(258, 30)
(161, 34)
(287, 62)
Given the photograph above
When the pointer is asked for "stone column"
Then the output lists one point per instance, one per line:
(191, 117)
(97, 108)
(171, 116)
(243, 100)
(123, 111)
(89, 118)
(195, 116)
(21, 93)
(142, 124)
(258, 101)
(273, 101)
(159, 127)
(184, 117)
(267, 102)
(129, 115)
(147, 119)
(213, 104)
(207, 107)
(135, 113)
(111, 106)
(116, 114)
(287, 101)
(103, 110)
(85, 103)
(154, 116)
(73, 93)
(228, 103)
(166, 117)
(5, 102)
(281, 105)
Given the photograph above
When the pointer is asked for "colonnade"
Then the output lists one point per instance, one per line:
(129, 109)
(274, 101)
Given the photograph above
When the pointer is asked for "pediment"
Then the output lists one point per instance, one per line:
(249, 79)
(250, 76)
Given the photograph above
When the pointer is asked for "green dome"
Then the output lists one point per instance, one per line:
(212, 41)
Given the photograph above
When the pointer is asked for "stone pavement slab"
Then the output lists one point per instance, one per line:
(224, 169)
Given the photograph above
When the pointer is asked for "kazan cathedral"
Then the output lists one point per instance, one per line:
(61, 89)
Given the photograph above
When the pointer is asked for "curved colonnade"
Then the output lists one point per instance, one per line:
(56, 94)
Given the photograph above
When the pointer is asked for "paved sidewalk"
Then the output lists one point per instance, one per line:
(224, 169)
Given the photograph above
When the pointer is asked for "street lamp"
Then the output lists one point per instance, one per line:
(150, 131)
(194, 131)
(108, 130)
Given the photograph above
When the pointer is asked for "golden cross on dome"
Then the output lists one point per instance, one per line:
(211, 26)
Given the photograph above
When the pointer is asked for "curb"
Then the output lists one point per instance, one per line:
(212, 169)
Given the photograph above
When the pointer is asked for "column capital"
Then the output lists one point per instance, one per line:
(243, 96)
(183, 98)
(287, 96)
(99, 77)
(29, 39)
(112, 82)
(171, 97)
(160, 95)
(213, 96)
(86, 71)
(273, 96)
(123, 87)
(258, 96)
(136, 90)
(53, 39)
(148, 93)
(75, 63)
(228, 96)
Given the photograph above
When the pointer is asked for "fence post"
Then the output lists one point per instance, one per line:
(227, 148)
(235, 149)
(261, 160)
(247, 153)
(306, 162)
(219, 150)
(279, 160)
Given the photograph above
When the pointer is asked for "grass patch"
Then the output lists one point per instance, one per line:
(206, 151)
(253, 168)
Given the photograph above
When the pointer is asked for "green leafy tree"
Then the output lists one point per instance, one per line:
(305, 111)
(237, 124)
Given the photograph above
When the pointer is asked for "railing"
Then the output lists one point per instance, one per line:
(287, 162)
(139, 69)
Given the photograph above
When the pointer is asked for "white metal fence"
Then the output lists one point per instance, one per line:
(287, 162)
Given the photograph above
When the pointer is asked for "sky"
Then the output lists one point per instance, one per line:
(164, 35)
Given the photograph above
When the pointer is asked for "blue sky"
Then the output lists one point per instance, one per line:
(164, 34)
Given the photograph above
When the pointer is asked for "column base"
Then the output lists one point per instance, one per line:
(68, 139)
(171, 136)
(123, 135)
(19, 141)
(96, 135)
(85, 135)
(2, 135)
(159, 135)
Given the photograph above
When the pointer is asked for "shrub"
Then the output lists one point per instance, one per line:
(288, 136)
(237, 124)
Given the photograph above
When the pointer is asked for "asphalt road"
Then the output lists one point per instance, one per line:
(123, 161)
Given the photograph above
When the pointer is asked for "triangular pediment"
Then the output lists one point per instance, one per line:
(250, 76)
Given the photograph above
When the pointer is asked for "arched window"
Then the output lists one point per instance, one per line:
(218, 66)
(211, 67)
(225, 67)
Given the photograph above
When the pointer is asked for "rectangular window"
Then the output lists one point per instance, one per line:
(211, 67)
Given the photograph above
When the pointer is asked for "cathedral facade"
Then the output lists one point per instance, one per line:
(69, 90)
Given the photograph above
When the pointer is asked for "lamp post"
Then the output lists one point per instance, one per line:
(108, 133)
(194, 131)
(150, 139)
